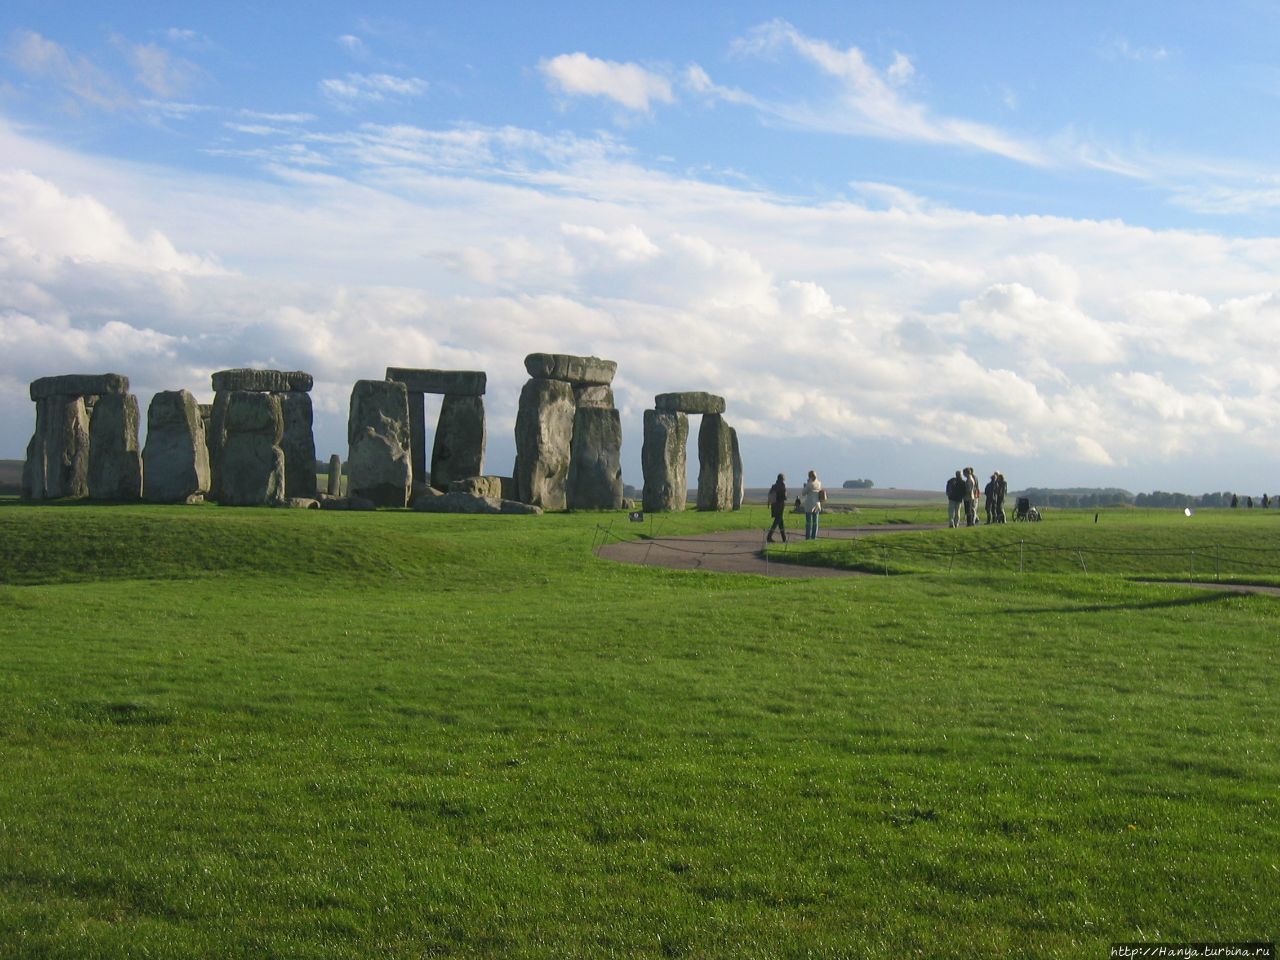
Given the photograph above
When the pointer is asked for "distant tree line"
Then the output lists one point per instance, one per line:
(858, 484)
(1115, 497)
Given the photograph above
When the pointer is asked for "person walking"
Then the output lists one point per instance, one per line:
(989, 498)
(778, 507)
(813, 497)
(1002, 491)
(955, 497)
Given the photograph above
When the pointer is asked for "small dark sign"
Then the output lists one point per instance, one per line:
(637, 516)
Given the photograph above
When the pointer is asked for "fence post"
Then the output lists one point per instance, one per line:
(1080, 554)
(1021, 545)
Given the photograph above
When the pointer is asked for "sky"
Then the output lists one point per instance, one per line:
(897, 238)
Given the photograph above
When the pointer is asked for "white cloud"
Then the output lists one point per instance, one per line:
(628, 84)
(361, 88)
(163, 74)
(40, 57)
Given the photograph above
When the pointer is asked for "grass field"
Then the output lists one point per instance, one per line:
(258, 734)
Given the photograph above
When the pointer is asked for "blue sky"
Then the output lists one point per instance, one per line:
(899, 238)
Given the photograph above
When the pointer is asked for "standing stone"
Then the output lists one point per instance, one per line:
(595, 468)
(662, 458)
(458, 451)
(216, 438)
(298, 444)
(715, 464)
(739, 483)
(378, 466)
(253, 463)
(544, 430)
(57, 463)
(417, 435)
(115, 463)
(175, 462)
(335, 476)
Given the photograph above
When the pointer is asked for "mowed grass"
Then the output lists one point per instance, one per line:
(255, 733)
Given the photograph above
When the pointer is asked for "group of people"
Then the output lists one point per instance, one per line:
(811, 501)
(963, 492)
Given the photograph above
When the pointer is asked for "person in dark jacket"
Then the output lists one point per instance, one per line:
(778, 507)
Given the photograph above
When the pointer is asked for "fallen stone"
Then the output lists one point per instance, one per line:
(690, 402)
(458, 450)
(458, 383)
(175, 461)
(299, 503)
(115, 462)
(478, 486)
(662, 459)
(253, 463)
(262, 381)
(544, 431)
(563, 366)
(347, 503)
(595, 461)
(79, 385)
(468, 503)
(378, 464)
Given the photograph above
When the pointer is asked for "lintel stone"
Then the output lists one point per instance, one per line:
(690, 402)
(262, 381)
(79, 385)
(457, 383)
(576, 370)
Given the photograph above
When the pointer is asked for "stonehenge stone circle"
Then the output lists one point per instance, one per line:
(378, 465)
(458, 450)
(115, 462)
(692, 402)
(59, 453)
(595, 468)
(175, 461)
(253, 464)
(715, 464)
(544, 432)
(662, 459)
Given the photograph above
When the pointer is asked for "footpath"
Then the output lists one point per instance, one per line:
(742, 551)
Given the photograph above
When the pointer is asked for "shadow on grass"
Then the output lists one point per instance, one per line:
(1203, 598)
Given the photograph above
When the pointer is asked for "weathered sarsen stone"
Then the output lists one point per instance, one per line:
(458, 502)
(739, 482)
(595, 461)
(298, 444)
(115, 462)
(79, 385)
(457, 383)
(57, 463)
(253, 464)
(662, 458)
(563, 366)
(378, 467)
(715, 464)
(262, 381)
(175, 462)
(593, 395)
(544, 430)
(335, 476)
(690, 402)
(458, 450)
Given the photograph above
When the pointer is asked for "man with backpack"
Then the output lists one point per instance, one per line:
(778, 506)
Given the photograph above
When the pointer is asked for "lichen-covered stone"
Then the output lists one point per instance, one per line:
(544, 431)
(662, 458)
(262, 381)
(253, 463)
(715, 464)
(457, 383)
(479, 486)
(79, 385)
(593, 395)
(595, 462)
(563, 366)
(298, 444)
(175, 461)
(458, 502)
(458, 450)
(378, 464)
(115, 462)
(690, 402)
(57, 463)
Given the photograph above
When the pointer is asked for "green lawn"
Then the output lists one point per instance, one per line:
(258, 733)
